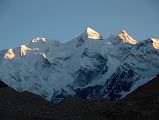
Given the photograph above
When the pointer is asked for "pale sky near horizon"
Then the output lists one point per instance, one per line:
(63, 20)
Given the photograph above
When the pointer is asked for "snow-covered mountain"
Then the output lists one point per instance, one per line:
(88, 66)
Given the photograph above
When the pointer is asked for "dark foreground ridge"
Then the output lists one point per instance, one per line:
(142, 104)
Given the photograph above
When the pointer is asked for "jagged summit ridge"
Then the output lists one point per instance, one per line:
(89, 33)
(126, 38)
(9, 54)
(155, 43)
(150, 43)
(24, 49)
(38, 39)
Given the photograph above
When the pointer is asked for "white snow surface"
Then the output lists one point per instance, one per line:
(44, 66)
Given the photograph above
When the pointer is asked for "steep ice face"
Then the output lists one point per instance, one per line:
(89, 33)
(118, 46)
(126, 38)
(122, 37)
(155, 43)
(92, 34)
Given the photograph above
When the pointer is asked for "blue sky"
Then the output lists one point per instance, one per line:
(22, 20)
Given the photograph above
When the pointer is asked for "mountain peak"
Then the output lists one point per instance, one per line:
(10, 54)
(126, 38)
(89, 33)
(39, 39)
(149, 44)
(24, 49)
(123, 31)
(155, 43)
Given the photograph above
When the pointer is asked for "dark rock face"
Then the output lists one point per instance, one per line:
(80, 41)
(91, 93)
(85, 75)
(122, 80)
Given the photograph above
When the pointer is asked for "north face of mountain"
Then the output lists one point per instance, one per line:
(88, 66)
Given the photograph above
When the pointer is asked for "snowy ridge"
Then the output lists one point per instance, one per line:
(38, 39)
(88, 66)
(155, 43)
(89, 33)
(126, 38)
(9, 54)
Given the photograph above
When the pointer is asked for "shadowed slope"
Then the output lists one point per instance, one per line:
(143, 103)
